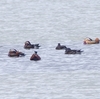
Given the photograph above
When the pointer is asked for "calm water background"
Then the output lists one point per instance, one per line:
(48, 22)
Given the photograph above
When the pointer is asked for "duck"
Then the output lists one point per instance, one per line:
(91, 41)
(28, 45)
(15, 53)
(72, 51)
(59, 47)
(35, 56)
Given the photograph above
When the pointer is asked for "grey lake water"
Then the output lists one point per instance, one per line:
(49, 22)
